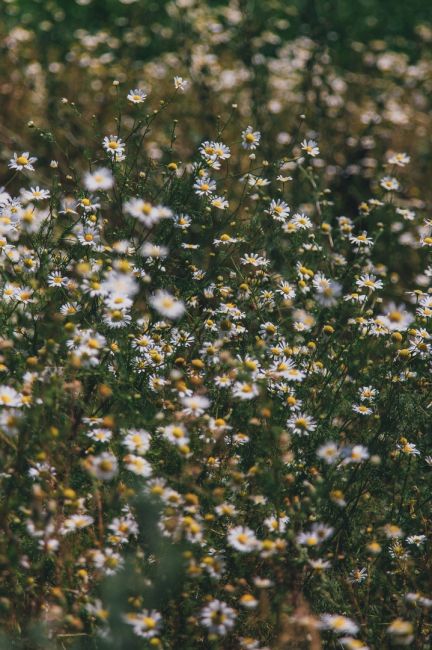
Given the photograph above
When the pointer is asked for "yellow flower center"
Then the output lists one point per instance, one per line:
(395, 316)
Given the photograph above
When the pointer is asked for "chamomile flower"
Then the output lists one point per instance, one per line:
(138, 465)
(219, 202)
(279, 210)
(250, 138)
(103, 467)
(136, 440)
(22, 161)
(339, 624)
(389, 183)
(76, 522)
(245, 390)
(370, 282)
(217, 617)
(310, 147)
(329, 452)
(137, 96)
(301, 424)
(56, 279)
(176, 434)
(399, 159)
(318, 534)
(100, 179)
(114, 146)
(357, 576)
(167, 305)
(35, 194)
(204, 186)
(146, 624)
(180, 83)
(396, 317)
(362, 409)
(9, 397)
(195, 405)
(242, 539)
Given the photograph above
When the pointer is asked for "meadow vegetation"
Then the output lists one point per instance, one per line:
(216, 339)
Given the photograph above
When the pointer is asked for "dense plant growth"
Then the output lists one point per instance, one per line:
(215, 399)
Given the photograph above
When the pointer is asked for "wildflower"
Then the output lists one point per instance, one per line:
(277, 524)
(70, 308)
(9, 397)
(301, 222)
(123, 528)
(242, 539)
(286, 290)
(401, 630)
(245, 390)
(56, 279)
(389, 183)
(204, 186)
(36, 194)
(339, 624)
(103, 467)
(369, 282)
(329, 452)
(353, 644)
(223, 381)
(358, 575)
(327, 290)
(319, 564)
(217, 617)
(219, 203)
(356, 454)
(100, 434)
(145, 624)
(361, 241)
(250, 138)
(362, 409)
(182, 221)
(116, 318)
(416, 540)
(318, 534)
(310, 147)
(145, 212)
(24, 161)
(248, 601)
(114, 146)
(195, 404)
(408, 448)
(164, 303)
(396, 318)
(180, 83)
(176, 434)
(399, 159)
(136, 96)
(279, 210)
(212, 150)
(100, 179)
(254, 260)
(393, 531)
(109, 561)
(76, 522)
(137, 465)
(137, 440)
(301, 424)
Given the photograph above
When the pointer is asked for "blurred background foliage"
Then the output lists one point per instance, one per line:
(360, 73)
